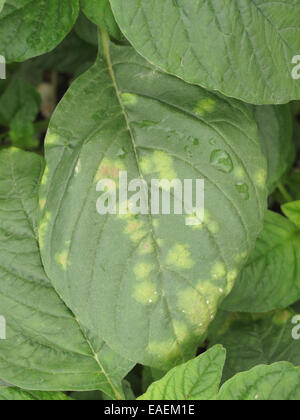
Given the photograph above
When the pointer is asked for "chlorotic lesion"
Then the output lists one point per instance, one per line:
(62, 259)
(129, 99)
(260, 178)
(145, 292)
(195, 308)
(43, 228)
(179, 256)
(219, 271)
(52, 139)
(165, 351)
(136, 229)
(109, 169)
(204, 106)
(143, 270)
(42, 203)
(159, 163)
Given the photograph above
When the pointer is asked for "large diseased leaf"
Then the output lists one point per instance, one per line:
(16, 394)
(245, 48)
(99, 12)
(30, 28)
(198, 379)
(45, 348)
(271, 277)
(276, 134)
(278, 382)
(254, 340)
(149, 285)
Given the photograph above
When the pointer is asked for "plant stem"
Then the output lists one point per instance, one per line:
(286, 195)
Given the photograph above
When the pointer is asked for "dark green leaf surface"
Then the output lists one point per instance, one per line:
(276, 134)
(15, 394)
(99, 12)
(45, 346)
(198, 379)
(279, 382)
(271, 277)
(19, 106)
(254, 340)
(242, 48)
(149, 285)
(30, 28)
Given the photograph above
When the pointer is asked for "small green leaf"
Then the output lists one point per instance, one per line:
(278, 382)
(271, 277)
(254, 340)
(16, 394)
(2, 4)
(30, 28)
(99, 12)
(292, 211)
(246, 49)
(276, 134)
(198, 379)
(19, 106)
(46, 347)
(148, 284)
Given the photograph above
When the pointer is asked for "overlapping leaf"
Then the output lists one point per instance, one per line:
(246, 49)
(45, 348)
(255, 340)
(30, 28)
(149, 285)
(271, 278)
(198, 379)
(99, 12)
(278, 382)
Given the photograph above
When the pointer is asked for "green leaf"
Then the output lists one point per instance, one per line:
(279, 382)
(276, 134)
(46, 347)
(19, 106)
(254, 340)
(292, 211)
(244, 49)
(149, 285)
(198, 379)
(30, 28)
(271, 277)
(100, 13)
(86, 30)
(16, 394)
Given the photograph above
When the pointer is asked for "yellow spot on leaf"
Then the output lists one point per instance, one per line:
(62, 260)
(182, 331)
(260, 178)
(129, 99)
(219, 271)
(145, 293)
(142, 270)
(165, 350)
(205, 106)
(42, 203)
(43, 227)
(282, 317)
(161, 163)
(109, 169)
(180, 257)
(193, 306)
